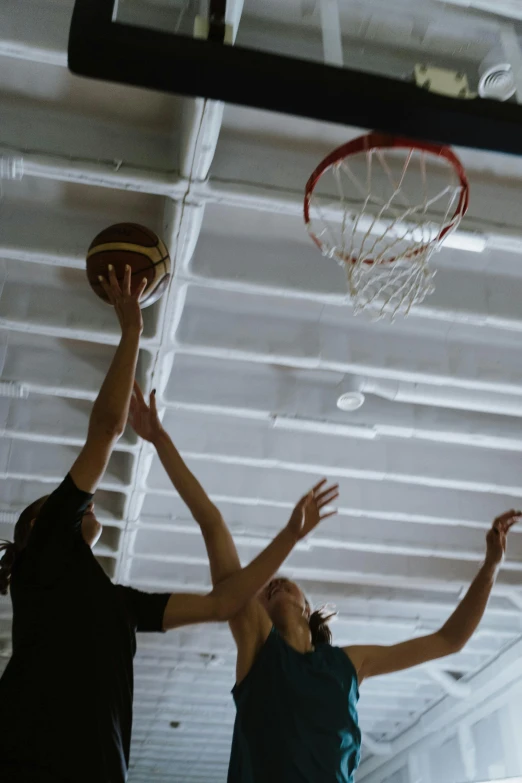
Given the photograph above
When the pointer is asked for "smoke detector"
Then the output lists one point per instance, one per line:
(351, 401)
(497, 82)
(350, 395)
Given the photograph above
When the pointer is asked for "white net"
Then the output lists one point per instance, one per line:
(393, 208)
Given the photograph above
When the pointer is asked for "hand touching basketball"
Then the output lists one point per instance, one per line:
(137, 246)
(126, 304)
(496, 538)
(309, 511)
(144, 418)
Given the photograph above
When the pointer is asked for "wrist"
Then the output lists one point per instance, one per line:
(131, 332)
(290, 535)
(158, 436)
(490, 567)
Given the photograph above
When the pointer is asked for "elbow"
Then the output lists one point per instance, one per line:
(107, 427)
(114, 431)
(452, 643)
(209, 517)
(458, 646)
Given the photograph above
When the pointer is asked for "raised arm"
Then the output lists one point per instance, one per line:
(228, 598)
(58, 518)
(221, 549)
(251, 624)
(371, 660)
(230, 595)
(222, 552)
(110, 411)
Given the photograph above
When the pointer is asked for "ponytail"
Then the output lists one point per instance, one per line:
(319, 628)
(12, 549)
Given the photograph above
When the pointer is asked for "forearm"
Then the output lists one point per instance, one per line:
(465, 619)
(234, 592)
(184, 481)
(111, 408)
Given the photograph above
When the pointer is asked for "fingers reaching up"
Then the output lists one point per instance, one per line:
(126, 303)
(323, 496)
(313, 508)
(496, 539)
(144, 418)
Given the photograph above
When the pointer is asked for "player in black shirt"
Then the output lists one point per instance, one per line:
(66, 694)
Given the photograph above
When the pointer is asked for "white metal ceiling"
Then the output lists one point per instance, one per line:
(249, 352)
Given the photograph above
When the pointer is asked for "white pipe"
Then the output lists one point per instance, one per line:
(106, 174)
(121, 175)
(332, 35)
(233, 15)
(115, 11)
(443, 396)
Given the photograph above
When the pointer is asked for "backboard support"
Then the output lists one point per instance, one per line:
(102, 48)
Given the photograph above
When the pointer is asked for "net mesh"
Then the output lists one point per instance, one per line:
(392, 210)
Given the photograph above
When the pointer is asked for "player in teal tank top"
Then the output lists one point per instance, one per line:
(296, 694)
(296, 716)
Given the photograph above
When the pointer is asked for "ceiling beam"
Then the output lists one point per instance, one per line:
(246, 195)
(201, 126)
(492, 682)
(34, 31)
(407, 574)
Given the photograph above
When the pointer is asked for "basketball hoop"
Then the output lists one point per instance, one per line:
(396, 202)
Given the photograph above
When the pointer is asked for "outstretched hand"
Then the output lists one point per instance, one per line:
(309, 511)
(126, 303)
(496, 538)
(144, 418)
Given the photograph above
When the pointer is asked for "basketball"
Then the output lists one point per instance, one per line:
(137, 246)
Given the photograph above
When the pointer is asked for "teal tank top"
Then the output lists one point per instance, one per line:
(296, 717)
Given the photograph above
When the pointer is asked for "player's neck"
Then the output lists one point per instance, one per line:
(296, 632)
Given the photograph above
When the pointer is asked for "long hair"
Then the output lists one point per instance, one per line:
(319, 625)
(12, 549)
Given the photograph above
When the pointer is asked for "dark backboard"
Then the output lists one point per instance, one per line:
(416, 69)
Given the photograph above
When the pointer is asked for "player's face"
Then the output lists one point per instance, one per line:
(281, 594)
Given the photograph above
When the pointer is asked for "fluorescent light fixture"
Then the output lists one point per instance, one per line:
(465, 240)
(510, 8)
(505, 242)
(460, 239)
